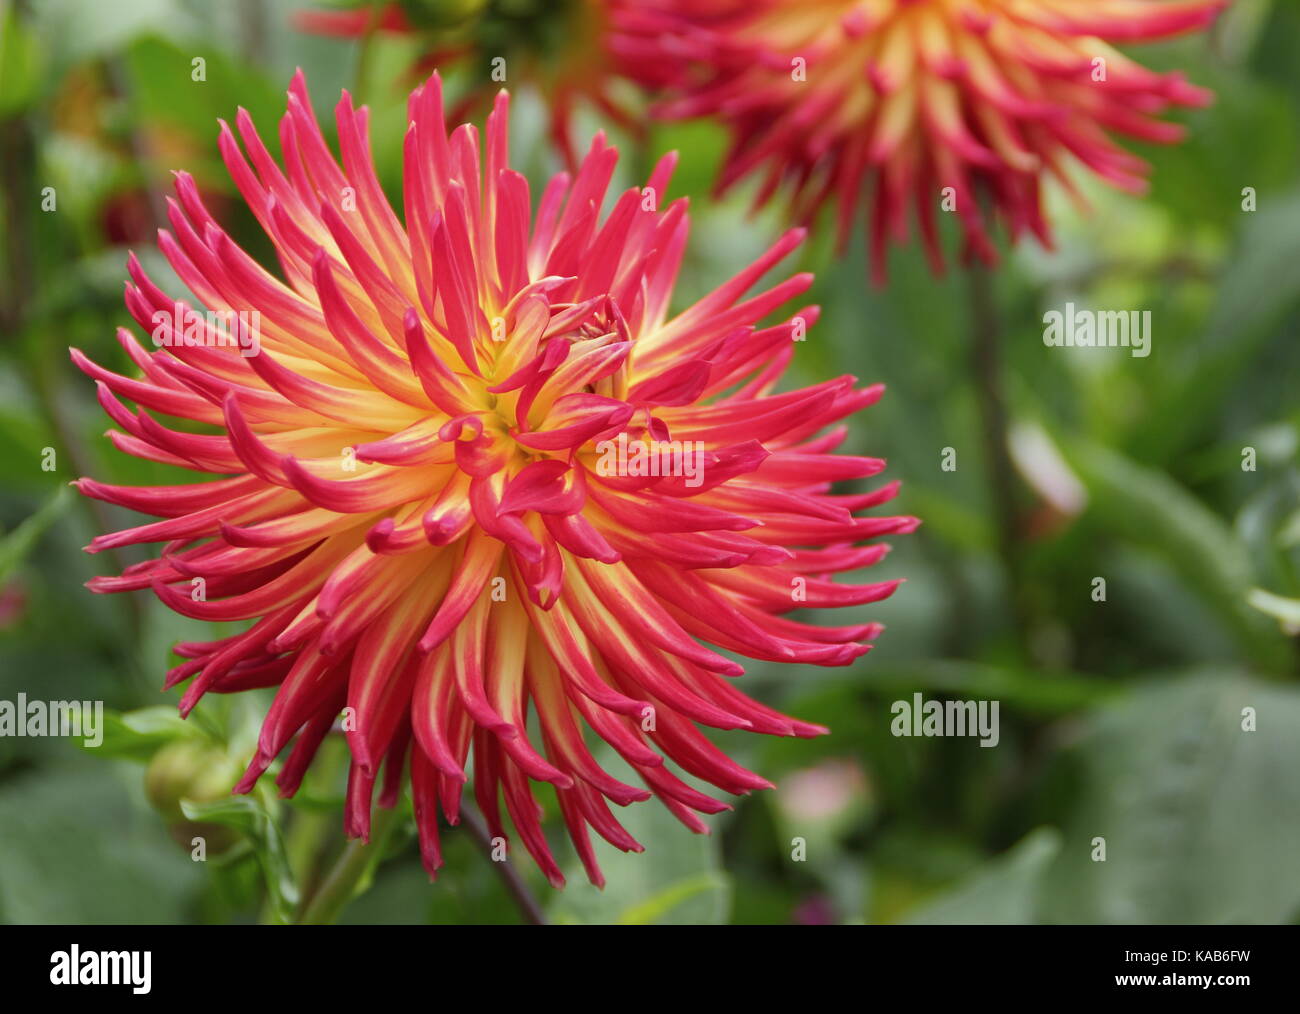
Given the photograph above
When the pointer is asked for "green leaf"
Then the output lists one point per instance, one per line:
(657, 908)
(1257, 291)
(1285, 611)
(162, 90)
(20, 62)
(1146, 507)
(73, 30)
(138, 735)
(1197, 812)
(1033, 691)
(75, 851)
(1289, 534)
(249, 815)
(1002, 893)
(677, 880)
(16, 545)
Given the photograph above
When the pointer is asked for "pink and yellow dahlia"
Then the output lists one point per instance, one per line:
(959, 105)
(437, 497)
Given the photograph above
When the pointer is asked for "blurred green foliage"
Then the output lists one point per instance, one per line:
(1121, 719)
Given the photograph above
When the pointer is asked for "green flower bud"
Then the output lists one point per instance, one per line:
(195, 771)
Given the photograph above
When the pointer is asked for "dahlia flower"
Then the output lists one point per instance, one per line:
(560, 49)
(944, 104)
(429, 501)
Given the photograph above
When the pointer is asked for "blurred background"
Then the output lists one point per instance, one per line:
(1173, 478)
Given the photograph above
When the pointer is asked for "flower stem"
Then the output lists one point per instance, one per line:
(986, 363)
(356, 862)
(523, 897)
(364, 52)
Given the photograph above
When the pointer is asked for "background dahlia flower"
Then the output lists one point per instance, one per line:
(905, 98)
(558, 47)
(415, 506)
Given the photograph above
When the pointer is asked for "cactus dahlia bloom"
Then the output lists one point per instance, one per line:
(475, 470)
(913, 97)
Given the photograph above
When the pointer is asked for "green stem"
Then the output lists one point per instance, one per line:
(311, 831)
(986, 362)
(353, 865)
(364, 50)
(528, 905)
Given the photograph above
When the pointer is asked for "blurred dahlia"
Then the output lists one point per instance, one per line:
(556, 46)
(914, 97)
(438, 500)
